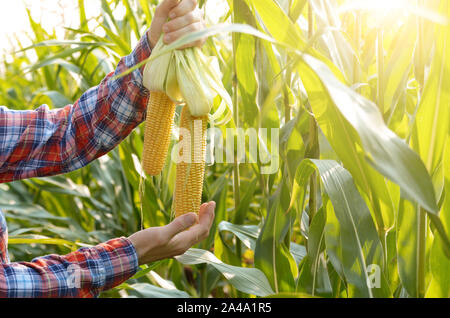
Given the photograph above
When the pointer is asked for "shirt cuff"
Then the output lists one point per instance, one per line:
(120, 261)
(141, 52)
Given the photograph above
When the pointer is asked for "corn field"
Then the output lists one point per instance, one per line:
(349, 193)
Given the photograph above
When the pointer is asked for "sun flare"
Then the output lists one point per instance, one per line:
(379, 5)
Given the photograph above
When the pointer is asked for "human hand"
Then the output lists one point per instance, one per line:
(185, 17)
(174, 239)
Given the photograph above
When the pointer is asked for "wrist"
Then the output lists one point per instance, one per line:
(151, 39)
(137, 247)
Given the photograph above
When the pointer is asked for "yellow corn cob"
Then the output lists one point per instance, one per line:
(158, 129)
(189, 177)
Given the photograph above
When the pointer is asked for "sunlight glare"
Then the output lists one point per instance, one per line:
(12, 18)
(381, 13)
(52, 15)
(381, 6)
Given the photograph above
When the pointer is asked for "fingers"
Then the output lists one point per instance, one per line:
(163, 10)
(174, 239)
(180, 224)
(183, 8)
(185, 17)
(161, 15)
(183, 21)
(176, 28)
(206, 214)
(173, 36)
(199, 231)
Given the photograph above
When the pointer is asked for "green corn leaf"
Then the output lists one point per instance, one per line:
(351, 238)
(385, 151)
(271, 253)
(439, 262)
(432, 122)
(314, 277)
(151, 291)
(248, 280)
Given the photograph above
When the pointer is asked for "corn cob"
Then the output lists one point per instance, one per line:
(185, 76)
(158, 129)
(189, 176)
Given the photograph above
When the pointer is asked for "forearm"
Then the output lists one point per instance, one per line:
(44, 142)
(84, 273)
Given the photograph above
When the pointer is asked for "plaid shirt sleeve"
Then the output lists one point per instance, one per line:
(46, 142)
(84, 273)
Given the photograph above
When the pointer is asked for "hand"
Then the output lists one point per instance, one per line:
(175, 239)
(185, 17)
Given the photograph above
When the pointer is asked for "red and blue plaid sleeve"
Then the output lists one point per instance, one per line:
(84, 273)
(46, 142)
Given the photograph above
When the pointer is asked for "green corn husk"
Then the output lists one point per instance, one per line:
(188, 76)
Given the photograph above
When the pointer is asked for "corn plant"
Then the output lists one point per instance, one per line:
(356, 106)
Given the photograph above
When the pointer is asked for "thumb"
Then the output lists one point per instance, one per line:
(181, 223)
(161, 15)
(163, 9)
